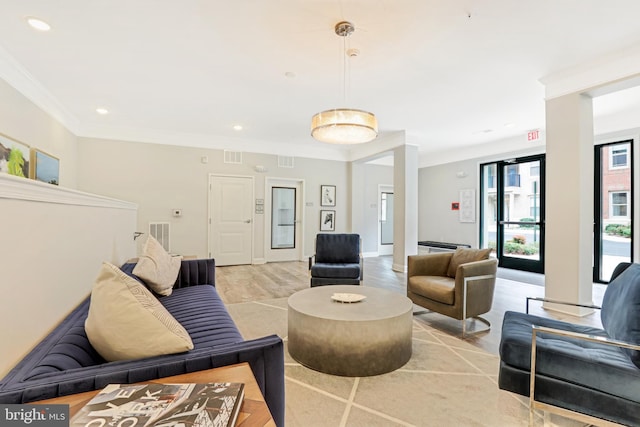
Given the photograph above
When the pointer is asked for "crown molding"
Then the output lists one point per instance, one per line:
(20, 79)
(616, 71)
(18, 188)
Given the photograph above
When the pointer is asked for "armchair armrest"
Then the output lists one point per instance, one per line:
(553, 301)
(533, 404)
(311, 260)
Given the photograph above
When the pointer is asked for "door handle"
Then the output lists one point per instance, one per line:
(248, 221)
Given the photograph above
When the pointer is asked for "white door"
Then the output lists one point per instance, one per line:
(385, 220)
(283, 220)
(231, 219)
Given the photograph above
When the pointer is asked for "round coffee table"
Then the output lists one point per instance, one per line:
(369, 337)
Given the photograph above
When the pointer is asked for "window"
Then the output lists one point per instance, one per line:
(619, 156)
(512, 177)
(619, 204)
(535, 170)
(534, 207)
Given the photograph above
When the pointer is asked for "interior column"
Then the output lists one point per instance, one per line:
(405, 205)
(569, 201)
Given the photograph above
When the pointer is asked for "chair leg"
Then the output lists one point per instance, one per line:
(481, 319)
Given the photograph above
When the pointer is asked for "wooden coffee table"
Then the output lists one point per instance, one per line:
(253, 413)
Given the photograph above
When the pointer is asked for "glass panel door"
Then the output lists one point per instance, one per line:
(283, 218)
(613, 203)
(513, 212)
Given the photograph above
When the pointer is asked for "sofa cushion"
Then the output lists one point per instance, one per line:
(465, 255)
(157, 268)
(594, 365)
(126, 321)
(621, 309)
(436, 288)
(336, 271)
(202, 313)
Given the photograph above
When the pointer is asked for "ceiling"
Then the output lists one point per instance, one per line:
(449, 73)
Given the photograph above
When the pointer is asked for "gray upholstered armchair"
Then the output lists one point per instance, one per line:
(457, 284)
(583, 372)
(338, 260)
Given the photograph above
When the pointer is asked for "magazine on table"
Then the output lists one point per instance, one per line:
(163, 405)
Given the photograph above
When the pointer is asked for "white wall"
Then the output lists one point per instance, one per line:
(22, 120)
(366, 204)
(53, 243)
(160, 178)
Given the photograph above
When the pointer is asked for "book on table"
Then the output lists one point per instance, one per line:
(163, 405)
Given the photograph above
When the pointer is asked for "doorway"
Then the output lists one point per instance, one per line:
(613, 208)
(512, 212)
(385, 219)
(231, 219)
(284, 224)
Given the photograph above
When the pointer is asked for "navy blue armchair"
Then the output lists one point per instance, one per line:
(583, 372)
(337, 261)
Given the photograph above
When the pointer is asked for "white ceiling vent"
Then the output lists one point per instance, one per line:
(161, 232)
(234, 157)
(285, 162)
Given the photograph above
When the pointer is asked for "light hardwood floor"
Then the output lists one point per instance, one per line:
(237, 284)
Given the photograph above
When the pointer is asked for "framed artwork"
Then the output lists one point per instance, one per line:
(468, 205)
(14, 157)
(327, 195)
(45, 167)
(327, 220)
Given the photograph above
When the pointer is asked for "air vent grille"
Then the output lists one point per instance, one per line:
(233, 157)
(161, 232)
(285, 162)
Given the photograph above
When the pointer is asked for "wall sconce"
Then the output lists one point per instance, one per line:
(261, 169)
(461, 174)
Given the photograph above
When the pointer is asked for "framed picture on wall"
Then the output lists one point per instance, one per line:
(45, 167)
(327, 195)
(14, 157)
(327, 220)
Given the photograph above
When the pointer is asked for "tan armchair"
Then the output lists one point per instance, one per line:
(457, 284)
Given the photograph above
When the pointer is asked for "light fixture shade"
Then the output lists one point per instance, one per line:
(344, 126)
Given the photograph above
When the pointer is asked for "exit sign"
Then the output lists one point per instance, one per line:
(533, 135)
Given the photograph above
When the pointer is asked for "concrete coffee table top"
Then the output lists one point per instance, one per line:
(369, 337)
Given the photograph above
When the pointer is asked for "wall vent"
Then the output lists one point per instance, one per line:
(161, 232)
(285, 162)
(234, 157)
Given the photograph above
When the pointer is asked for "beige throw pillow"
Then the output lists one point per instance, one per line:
(157, 268)
(126, 321)
(465, 255)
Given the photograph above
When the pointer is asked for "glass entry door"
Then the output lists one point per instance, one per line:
(512, 212)
(283, 218)
(613, 206)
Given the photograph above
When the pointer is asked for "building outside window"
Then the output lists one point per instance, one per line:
(619, 204)
(619, 157)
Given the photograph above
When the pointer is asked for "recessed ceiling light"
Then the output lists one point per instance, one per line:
(290, 74)
(509, 125)
(102, 111)
(38, 23)
(237, 127)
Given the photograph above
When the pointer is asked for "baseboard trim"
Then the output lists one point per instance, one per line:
(400, 268)
(258, 261)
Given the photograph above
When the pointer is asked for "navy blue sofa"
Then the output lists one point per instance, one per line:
(65, 363)
(580, 368)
